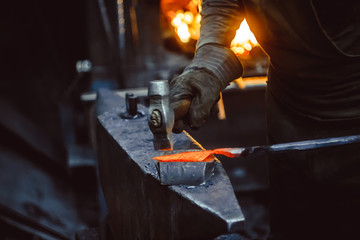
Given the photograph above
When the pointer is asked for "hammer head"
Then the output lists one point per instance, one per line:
(161, 115)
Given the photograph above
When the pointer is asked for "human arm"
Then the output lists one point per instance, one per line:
(197, 89)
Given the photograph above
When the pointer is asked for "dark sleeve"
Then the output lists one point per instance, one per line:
(219, 22)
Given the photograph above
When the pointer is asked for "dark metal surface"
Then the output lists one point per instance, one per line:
(296, 146)
(185, 173)
(313, 144)
(139, 206)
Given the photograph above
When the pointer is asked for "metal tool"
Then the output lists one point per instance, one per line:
(294, 146)
(183, 176)
(131, 107)
(161, 115)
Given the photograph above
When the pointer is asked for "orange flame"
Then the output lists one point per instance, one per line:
(187, 27)
(244, 40)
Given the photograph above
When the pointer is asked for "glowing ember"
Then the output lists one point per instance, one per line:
(186, 25)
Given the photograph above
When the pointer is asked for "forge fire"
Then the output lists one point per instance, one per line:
(184, 18)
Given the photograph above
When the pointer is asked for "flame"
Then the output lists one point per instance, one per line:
(244, 40)
(187, 27)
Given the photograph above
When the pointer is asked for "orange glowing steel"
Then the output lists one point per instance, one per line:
(196, 156)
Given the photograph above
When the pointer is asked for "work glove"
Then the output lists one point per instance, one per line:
(193, 97)
(196, 91)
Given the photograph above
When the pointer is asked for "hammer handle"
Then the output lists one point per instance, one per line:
(181, 108)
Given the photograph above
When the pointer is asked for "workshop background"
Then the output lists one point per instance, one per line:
(55, 56)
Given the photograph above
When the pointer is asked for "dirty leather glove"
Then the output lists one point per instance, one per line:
(193, 96)
(195, 92)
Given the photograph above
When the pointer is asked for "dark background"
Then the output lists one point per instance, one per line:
(48, 169)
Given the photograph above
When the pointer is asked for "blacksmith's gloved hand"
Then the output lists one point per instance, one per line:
(193, 97)
(196, 91)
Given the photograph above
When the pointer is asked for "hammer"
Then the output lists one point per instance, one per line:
(161, 115)
(161, 122)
